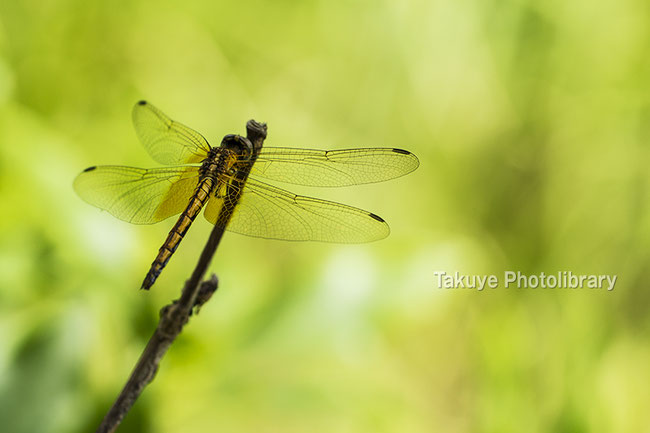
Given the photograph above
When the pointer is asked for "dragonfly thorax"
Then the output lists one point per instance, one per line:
(234, 151)
(216, 163)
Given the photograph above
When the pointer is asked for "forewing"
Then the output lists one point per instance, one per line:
(333, 167)
(137, 195)
(166, 140)
(268, 212)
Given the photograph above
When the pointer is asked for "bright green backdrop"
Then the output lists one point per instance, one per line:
(531, 121)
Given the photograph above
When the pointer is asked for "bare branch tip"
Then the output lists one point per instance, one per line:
(206, 290)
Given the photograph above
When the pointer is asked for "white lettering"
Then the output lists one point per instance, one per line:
(612, 281)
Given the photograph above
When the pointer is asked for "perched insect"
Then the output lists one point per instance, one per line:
(217, 178)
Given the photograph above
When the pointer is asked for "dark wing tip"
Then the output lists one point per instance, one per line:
(90, 169)
(416, 161)
(142, 102)
(376, 217)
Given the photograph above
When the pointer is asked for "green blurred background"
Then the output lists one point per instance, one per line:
(531, 121)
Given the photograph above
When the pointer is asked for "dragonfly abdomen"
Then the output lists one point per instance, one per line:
(178, 231)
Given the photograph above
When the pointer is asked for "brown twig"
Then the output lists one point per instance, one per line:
(175, 315)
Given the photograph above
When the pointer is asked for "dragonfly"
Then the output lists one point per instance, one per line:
(225, 181)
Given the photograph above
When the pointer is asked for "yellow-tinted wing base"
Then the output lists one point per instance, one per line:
(269, 212)
(138, 195)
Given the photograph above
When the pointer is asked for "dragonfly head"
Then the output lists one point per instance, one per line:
(240, 145)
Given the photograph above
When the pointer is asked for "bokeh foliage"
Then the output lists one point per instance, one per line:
(531, 121)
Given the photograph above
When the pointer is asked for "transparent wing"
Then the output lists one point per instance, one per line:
(137, 195)
(268, 212)
(167, 141)
(333, 167)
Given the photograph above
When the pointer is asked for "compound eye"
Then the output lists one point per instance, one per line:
(246, 146)
(239, 144)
